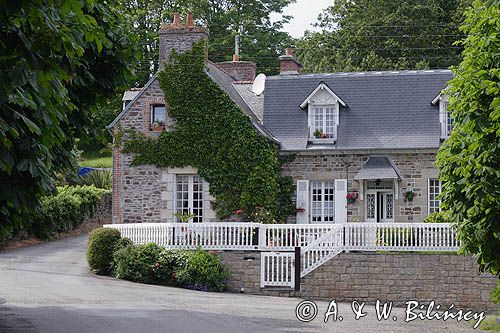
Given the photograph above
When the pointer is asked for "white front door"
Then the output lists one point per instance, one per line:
(386, 207)
(379, 206)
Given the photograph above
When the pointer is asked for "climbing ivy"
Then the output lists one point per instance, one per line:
(212, 134)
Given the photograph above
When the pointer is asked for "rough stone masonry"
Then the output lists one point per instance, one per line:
(366, 277)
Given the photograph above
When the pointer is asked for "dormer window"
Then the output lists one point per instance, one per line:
(323, 114)
(325, 122)
(445, 118)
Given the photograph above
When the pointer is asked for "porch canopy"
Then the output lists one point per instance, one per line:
(378, 168)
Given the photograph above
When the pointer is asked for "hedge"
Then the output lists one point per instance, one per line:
(66, 209)
(152, 264)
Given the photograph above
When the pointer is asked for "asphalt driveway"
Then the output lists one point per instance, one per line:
(48, 288)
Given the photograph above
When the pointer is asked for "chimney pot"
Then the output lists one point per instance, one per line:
(177, 20)
(189, 20)
(290, 52)
(236, 58)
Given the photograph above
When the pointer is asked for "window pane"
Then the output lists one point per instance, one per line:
(330, 122)
(322, 199)
(158, 113)
(434, 192)
(318, 119)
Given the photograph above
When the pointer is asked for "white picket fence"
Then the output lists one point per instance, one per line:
(318, 243)
(277, 269)
(321, 250)
(210, 236)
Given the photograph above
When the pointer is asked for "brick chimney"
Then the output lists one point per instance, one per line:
(238, 70)
(289, 63)
(179, 37)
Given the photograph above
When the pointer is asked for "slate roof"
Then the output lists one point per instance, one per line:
(378, 167)
(256, 103)
(385, 110)
(130, 94)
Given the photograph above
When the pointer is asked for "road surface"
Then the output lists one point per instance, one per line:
(48, 288)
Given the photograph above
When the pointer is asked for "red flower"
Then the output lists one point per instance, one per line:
(239, 212)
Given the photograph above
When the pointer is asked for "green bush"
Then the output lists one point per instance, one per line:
(138, 263)
(495, 294)
(102, 244)
(153, 264)
(99, 178)
(66, 209)
(202, 271)
(443, 216)
(123, 243)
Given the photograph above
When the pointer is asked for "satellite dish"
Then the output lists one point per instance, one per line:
(259, 84)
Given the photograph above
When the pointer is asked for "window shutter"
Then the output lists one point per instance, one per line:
(340, 200)
(303, 201)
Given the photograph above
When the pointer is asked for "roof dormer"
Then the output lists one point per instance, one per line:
(445, 118)
(323, 114)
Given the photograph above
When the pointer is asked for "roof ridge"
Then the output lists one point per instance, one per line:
(365, 73)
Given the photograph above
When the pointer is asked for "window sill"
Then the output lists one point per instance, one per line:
(327, 141)
(157, 129)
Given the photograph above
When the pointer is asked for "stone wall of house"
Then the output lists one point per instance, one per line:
(416, 166)
(365, 277)
(145, 193)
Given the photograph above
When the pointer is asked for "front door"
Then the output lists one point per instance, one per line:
(379, 206)
(386, 207)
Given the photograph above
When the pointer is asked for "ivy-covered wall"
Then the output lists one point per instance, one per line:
(213, 135)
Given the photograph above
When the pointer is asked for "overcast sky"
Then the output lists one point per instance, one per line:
(305, 12)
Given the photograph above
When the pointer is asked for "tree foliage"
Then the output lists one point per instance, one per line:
(469, 160)
(215, 136)
(57, 58)
(387, 34)
(261, 39)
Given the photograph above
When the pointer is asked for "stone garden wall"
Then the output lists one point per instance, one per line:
(366, 277)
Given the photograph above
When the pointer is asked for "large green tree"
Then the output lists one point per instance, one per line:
(261, 39)
(359, 35)
(469, 160)
(58, 57)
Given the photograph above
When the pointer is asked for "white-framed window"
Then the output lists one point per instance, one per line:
(445, 118)
(325, 122)
(322, 201)
(323, 113)
(158, 114)
(434, 191)
(189, 196)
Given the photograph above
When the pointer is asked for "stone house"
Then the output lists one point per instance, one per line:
(364, 144)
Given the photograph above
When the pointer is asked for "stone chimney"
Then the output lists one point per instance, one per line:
(179, 37)
(243, 71)
(289, 63)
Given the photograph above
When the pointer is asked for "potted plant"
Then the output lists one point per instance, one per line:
(300, 210)
(409, 195)
(158, 125)
(318, 134)
(351, 197)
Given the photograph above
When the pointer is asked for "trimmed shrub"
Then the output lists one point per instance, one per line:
(102, 244)
(66, 209)
(202, 271)
(123, 243)
(443, 216)
(138, 263)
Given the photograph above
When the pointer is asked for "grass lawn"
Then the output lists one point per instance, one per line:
(94, 159)
(96, 162)
(490, 324)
